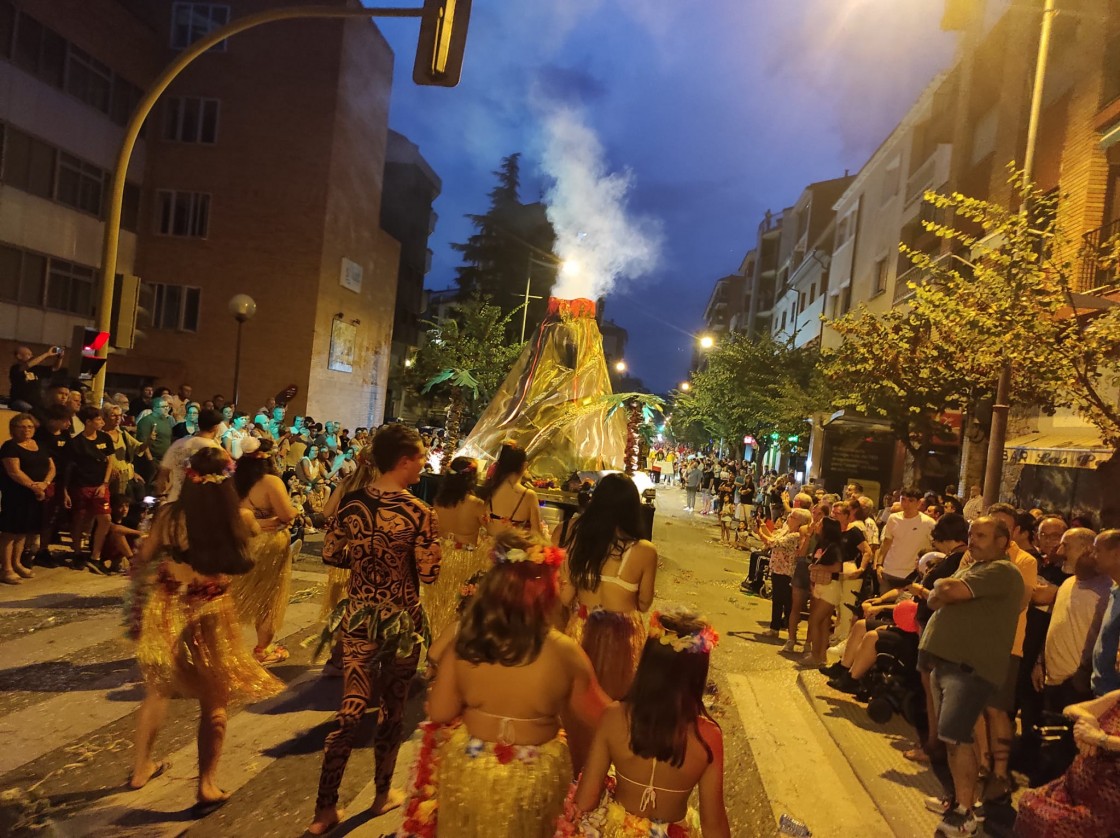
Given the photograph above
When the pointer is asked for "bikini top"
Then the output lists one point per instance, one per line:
(509, 519)
(649, 790)
(505, 724)
(617, 579)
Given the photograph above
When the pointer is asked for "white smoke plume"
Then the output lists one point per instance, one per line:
(599, 242)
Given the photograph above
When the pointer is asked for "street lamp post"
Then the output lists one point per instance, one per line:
(997, 436)
(242, 307)
(111, 240)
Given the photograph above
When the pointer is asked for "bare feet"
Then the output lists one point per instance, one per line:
(209, 793)
(386, 802)
(142, 776)
(325, 820)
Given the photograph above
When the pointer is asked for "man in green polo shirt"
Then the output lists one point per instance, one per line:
(967, 646)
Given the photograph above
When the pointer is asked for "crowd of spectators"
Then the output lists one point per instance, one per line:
(84, 474)
(997, 628)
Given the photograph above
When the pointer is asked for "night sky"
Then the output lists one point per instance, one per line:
(718, 109)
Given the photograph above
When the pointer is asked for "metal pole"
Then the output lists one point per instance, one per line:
(111, 239)
(997, 437)
(525, 308)
(237, 365)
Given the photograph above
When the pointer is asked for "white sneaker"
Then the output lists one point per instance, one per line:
(770, 633)
(791, 646)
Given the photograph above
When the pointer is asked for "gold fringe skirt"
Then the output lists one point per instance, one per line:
(614, 641)
(610, 819)
(190, 645)
(262, 594)
(441, 599)
(338, 584)
(487, 789)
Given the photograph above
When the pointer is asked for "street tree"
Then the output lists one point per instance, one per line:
(753, 386)
(511, 244)
(463, 359)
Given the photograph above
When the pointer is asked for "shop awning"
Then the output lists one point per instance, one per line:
(1061, 448)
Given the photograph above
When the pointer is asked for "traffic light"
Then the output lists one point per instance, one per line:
(443, 37)
(126, 311)
(84, 363)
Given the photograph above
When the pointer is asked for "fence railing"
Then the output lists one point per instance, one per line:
(1094, 274)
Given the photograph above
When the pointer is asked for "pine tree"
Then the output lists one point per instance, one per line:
(511, 243)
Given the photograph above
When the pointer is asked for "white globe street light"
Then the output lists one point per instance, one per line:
(620, 366)
(707, 342)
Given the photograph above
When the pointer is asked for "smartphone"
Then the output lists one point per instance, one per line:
(150, 500)
(56, 350)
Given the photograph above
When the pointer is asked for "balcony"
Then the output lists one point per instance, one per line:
(1094, 248)
(932, 174)
(902, 289)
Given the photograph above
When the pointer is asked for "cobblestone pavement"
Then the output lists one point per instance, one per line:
(70, 694)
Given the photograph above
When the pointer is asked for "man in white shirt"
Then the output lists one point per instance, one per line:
(1064, 669)
(905, 537)
(179, 402)
(173, 466)
(974, 508)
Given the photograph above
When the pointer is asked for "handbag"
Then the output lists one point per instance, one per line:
(820, 574)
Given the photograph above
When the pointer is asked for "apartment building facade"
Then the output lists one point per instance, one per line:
(260, 172)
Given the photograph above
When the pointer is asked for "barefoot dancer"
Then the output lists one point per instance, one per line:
(384, 572)
(190, 641)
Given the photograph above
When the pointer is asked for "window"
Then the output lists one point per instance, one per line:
(846, 299)
(891, 181)
(89, 80)
(7, 27)
(801, 301)
(183, 213)
(70, 288)
(192, 21)
(812, 293)
(188, 119)
(881, 276)
(28, 163)
(39, 50)
(79, 184)
(174, 307)
(10, 259)
(21, 276)
(130, 208)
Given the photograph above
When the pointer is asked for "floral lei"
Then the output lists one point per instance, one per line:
(701, 642)
(537, 553)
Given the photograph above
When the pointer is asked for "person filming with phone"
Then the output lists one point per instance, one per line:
(28, 374)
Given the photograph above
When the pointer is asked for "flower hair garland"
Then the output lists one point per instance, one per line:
(536, 553)
(195, 477)
(700, 642)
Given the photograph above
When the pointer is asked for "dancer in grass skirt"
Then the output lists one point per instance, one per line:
(462, 516)
(190, 639)
(654, 747)
(262, 594)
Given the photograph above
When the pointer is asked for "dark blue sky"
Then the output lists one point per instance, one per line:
(719, 109)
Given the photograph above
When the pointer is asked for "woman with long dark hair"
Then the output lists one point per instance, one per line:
(511, 505)
(824, 573)
(190, 641)
(262, 594)
(608, 580)
(509, 676)
(460, 515)
(661, 742)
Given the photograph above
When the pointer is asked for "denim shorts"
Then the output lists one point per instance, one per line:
(959, 696)
(801, 574)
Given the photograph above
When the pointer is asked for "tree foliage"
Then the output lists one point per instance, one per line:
(464, 358)
(1001, 291)
(512, 242)
(753, 386)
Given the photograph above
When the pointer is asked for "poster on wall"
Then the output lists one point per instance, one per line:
(343, 337)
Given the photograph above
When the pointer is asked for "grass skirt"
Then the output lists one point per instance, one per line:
(190, 645)
(262, 594)
(614, 641)
(487, 789)
(441, 599)
(611, 820)
(338, 583)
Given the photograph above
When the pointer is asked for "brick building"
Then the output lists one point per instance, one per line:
(260, 172)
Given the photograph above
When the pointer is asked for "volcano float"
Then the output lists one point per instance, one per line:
(551, 403)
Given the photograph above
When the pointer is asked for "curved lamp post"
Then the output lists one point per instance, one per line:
(242, 307)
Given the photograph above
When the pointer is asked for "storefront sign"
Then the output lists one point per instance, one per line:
(1056, 457)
